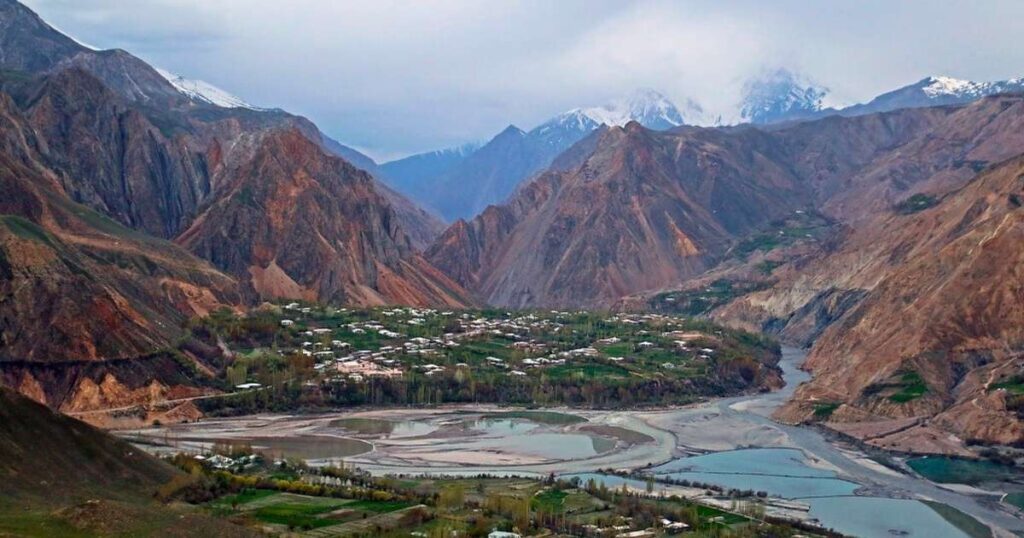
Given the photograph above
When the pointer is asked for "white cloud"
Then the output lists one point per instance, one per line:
(397, 76)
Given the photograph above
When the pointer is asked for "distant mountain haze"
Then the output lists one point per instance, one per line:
(460, 185)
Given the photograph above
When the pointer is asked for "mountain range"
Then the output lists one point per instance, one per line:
(833, 202)
(781, 96)
(461, 183)
(884, 236)
(130, 205)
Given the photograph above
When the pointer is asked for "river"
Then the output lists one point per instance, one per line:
(888, 509)
(885, 482)
(729, 441)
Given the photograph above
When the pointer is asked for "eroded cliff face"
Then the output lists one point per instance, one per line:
(77, 285)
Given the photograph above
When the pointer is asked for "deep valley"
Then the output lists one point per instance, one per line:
(796, 318)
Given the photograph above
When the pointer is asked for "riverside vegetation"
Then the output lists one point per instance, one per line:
(287, 496)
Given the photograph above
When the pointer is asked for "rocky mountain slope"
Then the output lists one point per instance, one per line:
(421, 225)
(128, 143)
(89, 309)
(635, 213)
(946, 309)
(315, 228)
(913, 287)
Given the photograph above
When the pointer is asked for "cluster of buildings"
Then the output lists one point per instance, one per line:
(429, 352)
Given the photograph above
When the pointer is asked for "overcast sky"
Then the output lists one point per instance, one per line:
(397, 77)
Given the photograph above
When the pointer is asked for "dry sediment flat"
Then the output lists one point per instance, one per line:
(449, 445)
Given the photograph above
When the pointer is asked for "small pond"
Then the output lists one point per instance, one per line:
(787, 473)
(876, 517)
(948, 470)
(305, 447)
(383, 428)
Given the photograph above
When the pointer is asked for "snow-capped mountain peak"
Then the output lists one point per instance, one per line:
(780, 94)
(204, 92)
(945, 87)
(935, 86)
(644, 105)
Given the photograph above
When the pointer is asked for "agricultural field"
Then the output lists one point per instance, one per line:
(345, 502)
(282, 512)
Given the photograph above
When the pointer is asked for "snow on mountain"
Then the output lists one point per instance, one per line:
(937, 87)
(645, 106)
(780, 95)
(205, 92)
(454, 152)
(933, 91)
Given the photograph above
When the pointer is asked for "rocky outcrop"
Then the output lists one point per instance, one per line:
(94, 288)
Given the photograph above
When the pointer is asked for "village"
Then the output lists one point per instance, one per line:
(337, 347)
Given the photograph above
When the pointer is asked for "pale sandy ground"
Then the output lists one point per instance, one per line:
(445, 447)
(705, 428)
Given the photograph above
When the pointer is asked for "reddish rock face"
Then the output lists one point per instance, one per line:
(294, 222)
(78, 286)
(303, 223)
(934, 290)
